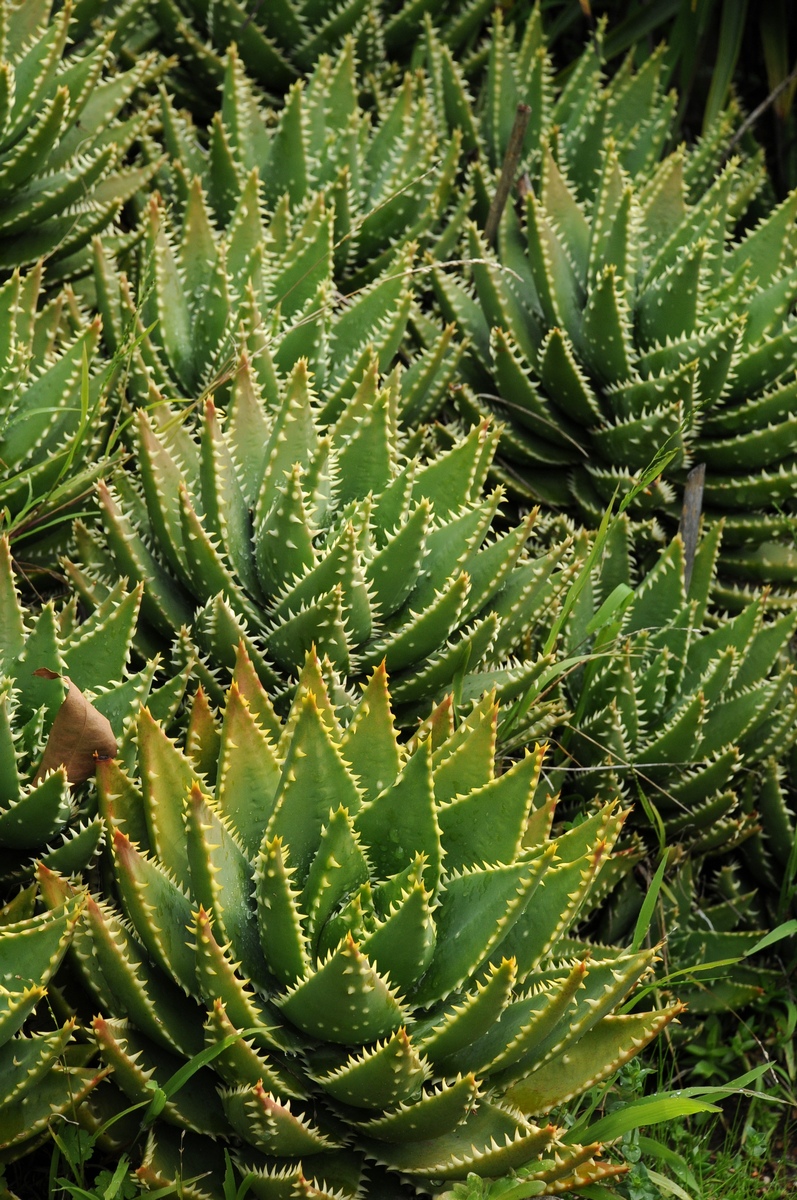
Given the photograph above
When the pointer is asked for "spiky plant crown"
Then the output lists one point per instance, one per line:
(395, 957)
(623, 311)
(674, 702)
(689, 715)
(53, 432)
(385, 171)
(631, 106)
(202, 300)
(64, 137)
(310, 227)
(42, 815)
(281, 42)
(41, 1074)
(770, 854)
(294, 521)
(721, 915)
(715, 919)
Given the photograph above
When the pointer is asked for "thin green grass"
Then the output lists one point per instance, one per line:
(747, 1158)
(729, 1178)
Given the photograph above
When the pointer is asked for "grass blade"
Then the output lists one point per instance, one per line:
(734, 16)
(649, 903)
(650, 1110)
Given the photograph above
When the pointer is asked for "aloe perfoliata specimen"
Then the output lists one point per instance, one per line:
(770, 854)
(53, 434)
(309, 228)
(42, 816)
(622, 312)
(387, 175)
(689, 710)
(64, 137)
(281, 42)
(41, 1075)
(384, 925)
(631, 107)
(201, 300)
(294, 521)
(687, 715)
(717, 928)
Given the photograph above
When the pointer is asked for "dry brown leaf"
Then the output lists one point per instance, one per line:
(80, 735)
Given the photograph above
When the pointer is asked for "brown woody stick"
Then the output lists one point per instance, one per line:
(508, 170)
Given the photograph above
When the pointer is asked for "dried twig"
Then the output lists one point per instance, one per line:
(760, 109)
(508, 170)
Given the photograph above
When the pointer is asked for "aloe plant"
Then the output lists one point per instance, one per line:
(66, 127)
(187, 339)
(386, 173)
(394, 958)
(715, 921)
(65, 695)
(686, 707)
(770, 854)
(280, 43)
(310, 227)
(687, 715)
(54, 435)
(293, 521)
(622, 311)
(731, 45)
(42, 1075)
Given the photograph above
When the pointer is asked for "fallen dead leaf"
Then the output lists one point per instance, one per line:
(80, 735)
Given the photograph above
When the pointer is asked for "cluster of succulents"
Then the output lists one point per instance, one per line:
(675, 702)
(387, 173)
(280, 43)
(65, 694)
(303, 234)
(202, 300)
(66, 697)
(689, 715)
(769, 855)
(68, 123)
(53, 432)
(406, 1000)
(42, 1075)
(719, 929)
(298, 523)
(634, 302)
